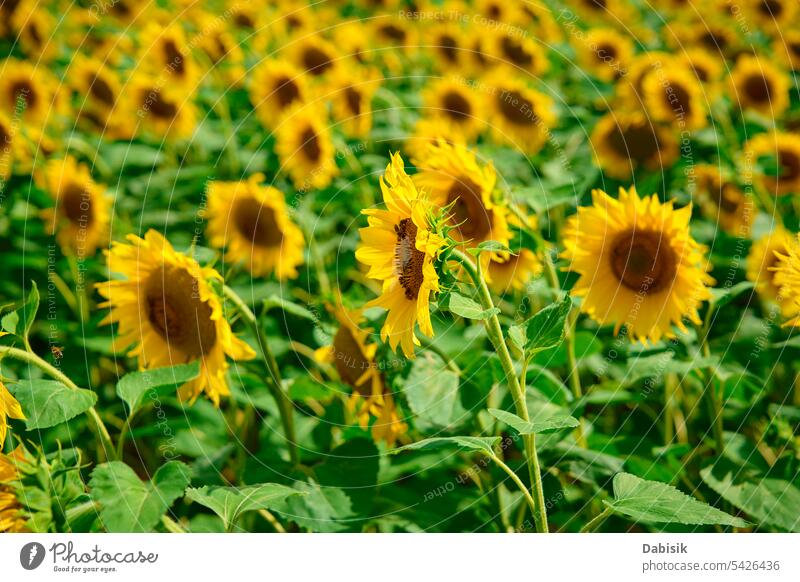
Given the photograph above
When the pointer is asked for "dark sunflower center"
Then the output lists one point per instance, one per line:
(286, 91)
(469, 215)
(316, 61)
(713, 40)
(757, 89)
(159, 106)
(22, 94)
(448, 46)
(100, 90)
(794, 48)
(790, 164)
(174, 58)
(408, 259)
(120, 9)
(700, 72)
(349, 360)
(770, 7)
(596, 4)
(643, 261)
(393, 32)
(309, 144)
(176, 312)
(516, 108)
(257, 223)
(5, 140)
(515, 52)
(637, 142)
(606, 52)
(679, 99)
(456, 106)
(353, 99)
(76, 204)
(36, 37)
(242, 20)
(727, 198)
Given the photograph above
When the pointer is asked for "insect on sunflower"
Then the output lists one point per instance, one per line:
(167, 310)
(639, 266)
(400, 248)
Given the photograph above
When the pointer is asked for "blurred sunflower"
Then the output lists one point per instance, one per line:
(626, 141)
(352, 40)
(781, 153)
(162, 110)
(514, 271)
(26, 89)
(167, 310)
(276, 87)
(722, 200)
(400, 250)
(35, 28)
(629, 88)
(8, 12)
(303, 144)
(763, 258)
(223, 51)
(604, 53)
(638, 264)
(706, 67)
(480, 59)
(674, 96)
(787, 48)
(99, 89)
(12, 518)
(787, 280)
(717, 36)
(7, 147)
(773, 15)
(166, 55)
(457, 103)
(9, 408)
(428, 131)
(81, 216)
(351, 95)
(518, 51)
(251, 221)
(314, 55)
(453, 179)
(758, 85)
(447, 44)
(521, 117)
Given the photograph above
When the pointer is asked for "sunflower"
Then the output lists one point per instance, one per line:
(35, 28)
(446, 44)
(351, 94)
(787, 48)
(162, 110)
(673, 95)
(717, 36)
(519, 52)
(625, 142)
(764, 257)
(276, 87)
(8, 144)
(12, 518)
(513, 271)
(480, 58)
(723, 201)
(453, 179)
(428, 131)
(605, 53)
(166, 307)
(521, 116)
(303, 144)
(457, 103)
(638, 264)
(630, 87)
(97, 86)
(758, 85)
(787, 280)
(252, 222)
(9, 408)
(314, 55)
(166, 54)
(28, 90)
(221, 48)
(400, 250)
(8, 11)
(352, 40)
(539, 19)
(773, 15)
(81, 217)
(784, 148)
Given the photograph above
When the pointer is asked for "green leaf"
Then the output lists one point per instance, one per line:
(469, 309)
(130, 505)
(25, 315)
(432, 390)
(231, 502)
(491, 246)
(721, 297)
(545, 330)
(276, 301)
(655, 502)
(526, 427)
(47, 403)
(484, 445)
(10, 322)
(133, 387)
(318, 508)
(769, 501)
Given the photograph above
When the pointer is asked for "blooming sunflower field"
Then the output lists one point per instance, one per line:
(399, 266)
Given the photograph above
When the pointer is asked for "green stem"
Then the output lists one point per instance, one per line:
(171, 525)
(574, 375)
(495, 333)
(518, 482)
(597, 521)
(97, 422)
(285, 406)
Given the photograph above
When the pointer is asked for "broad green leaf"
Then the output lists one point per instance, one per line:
(546, 329)
(10, 321)
(231, 502)
(432, 390)
(47, 403)
(655, 502)
(469, 309)
(770, 502)
(491, 246)
(484, 445)
(133, 387)
(289, 307)
(526, 427)
(721, 297)
(130, 505)
(318, 508)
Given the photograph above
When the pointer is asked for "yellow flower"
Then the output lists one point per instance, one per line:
(27, 92)
(252, 222)
(36, 30)
(787, 279)
(276, 87)
(167, 310)
(764, 257)
(400, 249)
(625, 142)
(166, 55)
(638, 264)
(12, 518)
(605, 53)
(787, 48)
(428, 131)
(708, 68)
(351, 95)
(630, 87)
(674, 96)
(513, 272)
(521, 117)
(81, 217)
(456, 103)
(785, 149)
(773, 15)
(313, 55)
(98, 89)
(758, 85)
(447, 46)
(9, 408)
(303, 144)
(452, 177)
(8, 145)
(723, 201)
(520, 53)
(223, 51)
(162, 111)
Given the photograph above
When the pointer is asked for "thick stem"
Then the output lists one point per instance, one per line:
(53, 372)
(495, 333)
(285, 406)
